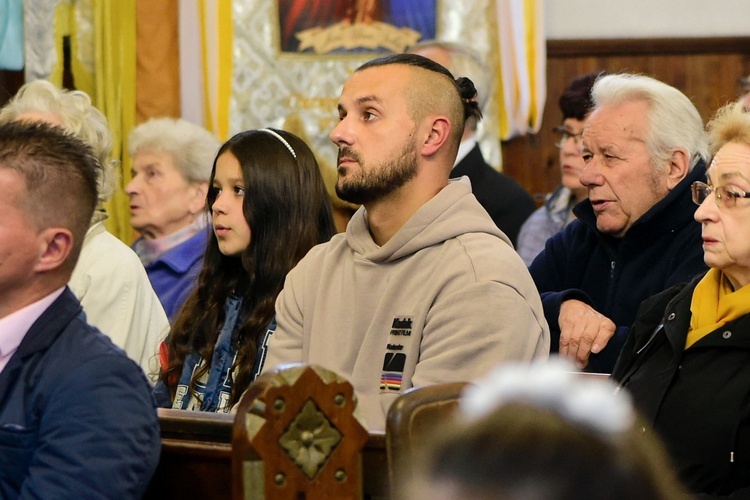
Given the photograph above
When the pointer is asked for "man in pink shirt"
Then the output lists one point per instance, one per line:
(76, 415)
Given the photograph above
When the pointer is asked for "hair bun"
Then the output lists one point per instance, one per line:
(468, 93)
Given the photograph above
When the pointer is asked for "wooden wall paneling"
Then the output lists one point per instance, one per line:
(706, 70)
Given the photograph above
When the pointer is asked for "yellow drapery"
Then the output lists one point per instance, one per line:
(114, 22)
(522, 62)
(111, 84)
(216, 32)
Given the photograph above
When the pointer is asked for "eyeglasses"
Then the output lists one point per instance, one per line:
(566, 134)
(725, 195)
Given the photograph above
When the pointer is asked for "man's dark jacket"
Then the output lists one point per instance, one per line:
(76, 415)
(505, 200)
(614, 275)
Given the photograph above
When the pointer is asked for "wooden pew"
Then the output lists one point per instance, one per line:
(196, 458)
(297, 434)
(414, 417)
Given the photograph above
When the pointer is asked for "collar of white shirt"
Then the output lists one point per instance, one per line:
(464, 148)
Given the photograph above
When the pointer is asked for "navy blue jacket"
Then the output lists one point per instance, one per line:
(508, 204)
(76, 416)
(698, 399)
(614, 275)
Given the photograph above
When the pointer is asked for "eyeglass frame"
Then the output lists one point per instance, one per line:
(723, 193)
(565, 135)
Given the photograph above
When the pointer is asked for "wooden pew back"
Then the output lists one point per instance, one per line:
(196, 457)
(296, 435)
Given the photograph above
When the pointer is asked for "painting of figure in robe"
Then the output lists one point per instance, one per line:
(354, 26)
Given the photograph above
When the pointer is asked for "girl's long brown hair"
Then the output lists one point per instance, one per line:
(288, 211)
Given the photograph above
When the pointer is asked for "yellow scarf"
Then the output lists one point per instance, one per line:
(714, 304)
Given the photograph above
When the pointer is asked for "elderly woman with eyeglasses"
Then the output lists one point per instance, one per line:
(687, 359)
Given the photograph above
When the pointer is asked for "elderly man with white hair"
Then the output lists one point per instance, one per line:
(643, 146)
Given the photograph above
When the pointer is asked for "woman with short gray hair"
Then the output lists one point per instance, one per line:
(172, 161)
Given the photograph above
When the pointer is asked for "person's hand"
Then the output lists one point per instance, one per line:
(583, 331)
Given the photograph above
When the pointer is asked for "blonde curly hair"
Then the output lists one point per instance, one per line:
(78, 116)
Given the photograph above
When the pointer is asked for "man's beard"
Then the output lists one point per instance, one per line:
(370, 184)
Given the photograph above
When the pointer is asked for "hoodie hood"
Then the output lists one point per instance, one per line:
(432, 224)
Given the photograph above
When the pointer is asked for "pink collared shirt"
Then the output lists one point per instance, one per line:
(13, 327)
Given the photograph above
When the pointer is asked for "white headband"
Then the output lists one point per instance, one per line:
(283, 141)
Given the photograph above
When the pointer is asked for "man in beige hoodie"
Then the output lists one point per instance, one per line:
(422, 288)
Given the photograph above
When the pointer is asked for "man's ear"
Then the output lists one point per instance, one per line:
(440, 129)
(678, 167)
(55, 245)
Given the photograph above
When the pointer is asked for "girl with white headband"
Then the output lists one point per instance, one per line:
(269, 207)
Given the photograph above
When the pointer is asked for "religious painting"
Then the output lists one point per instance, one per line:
(354, 26)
